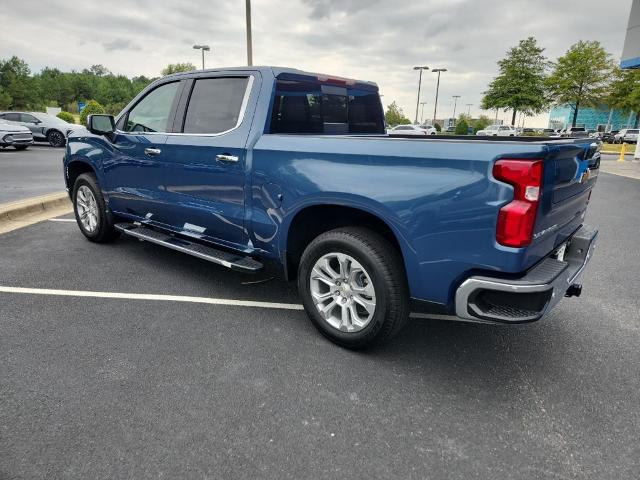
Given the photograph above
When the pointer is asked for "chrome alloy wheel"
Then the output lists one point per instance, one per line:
(87, 209)
(343, 292)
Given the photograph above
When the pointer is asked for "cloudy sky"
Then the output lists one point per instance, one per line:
(368, 39)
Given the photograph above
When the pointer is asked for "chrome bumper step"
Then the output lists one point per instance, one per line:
(210, 254)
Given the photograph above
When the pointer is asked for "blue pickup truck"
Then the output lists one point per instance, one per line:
(260, 166)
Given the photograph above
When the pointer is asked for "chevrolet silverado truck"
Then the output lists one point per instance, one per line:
(260, 166)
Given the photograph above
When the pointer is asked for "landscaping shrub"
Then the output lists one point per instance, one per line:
(92, 107)
(66, 116)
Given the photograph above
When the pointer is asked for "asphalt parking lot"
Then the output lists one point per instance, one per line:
(151, 387)
(29, 173)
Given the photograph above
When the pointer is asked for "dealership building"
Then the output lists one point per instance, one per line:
(591, 118)
(605, 118)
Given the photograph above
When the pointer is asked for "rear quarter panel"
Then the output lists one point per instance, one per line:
(437, 196)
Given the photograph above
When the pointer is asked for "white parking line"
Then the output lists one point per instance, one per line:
(180, 298)
(152, 297)
(62, 220)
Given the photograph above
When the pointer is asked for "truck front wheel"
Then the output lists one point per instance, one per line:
(353, 287)
(95, 222)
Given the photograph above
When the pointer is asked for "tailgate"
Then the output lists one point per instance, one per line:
(570, 172)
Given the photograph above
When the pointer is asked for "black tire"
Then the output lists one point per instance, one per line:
(383, 264)
(21, 147)
(55, 138)
(104, 231)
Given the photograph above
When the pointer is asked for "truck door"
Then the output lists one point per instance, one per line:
(205, 161)
(133, 171)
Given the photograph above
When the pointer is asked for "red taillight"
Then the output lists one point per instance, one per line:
(517, 218)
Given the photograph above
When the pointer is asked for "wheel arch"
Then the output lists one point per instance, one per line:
(311, 220)
(74, 169)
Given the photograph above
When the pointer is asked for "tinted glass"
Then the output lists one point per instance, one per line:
(151, 114)
(28, 118)
(633, 131)
(14, 117)
(215, 105)
(310, 107)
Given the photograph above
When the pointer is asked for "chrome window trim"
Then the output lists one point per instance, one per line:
(241, 114)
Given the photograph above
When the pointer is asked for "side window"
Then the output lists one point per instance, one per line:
(25, 117)
(151, 114)
(14, 117)
(215, 104)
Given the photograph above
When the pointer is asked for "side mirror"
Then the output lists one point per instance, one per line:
(100, 124)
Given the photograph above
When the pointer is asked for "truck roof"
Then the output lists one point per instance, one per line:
(277, 72)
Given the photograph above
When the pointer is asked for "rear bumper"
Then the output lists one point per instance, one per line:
(526, 299)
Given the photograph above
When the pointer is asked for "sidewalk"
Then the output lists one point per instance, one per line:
(629, 168)
(25, 212)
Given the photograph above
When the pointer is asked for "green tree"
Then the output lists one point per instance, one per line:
(437, 127)
(5, 99)
(481, 123)
(395, 116)
(520, 85)
(177, 68)
(92, 107)
(462, 127)
(15, 80)
(624, 92)
(581, 76)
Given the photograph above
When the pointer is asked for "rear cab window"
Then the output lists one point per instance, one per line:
(304, 104)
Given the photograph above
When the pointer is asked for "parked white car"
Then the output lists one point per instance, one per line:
(629, 135)
(17, 136)
(413, 130)
(497, 131)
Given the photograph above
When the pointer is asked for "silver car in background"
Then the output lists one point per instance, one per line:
(629, 135)
(16, 136)
(44, 128)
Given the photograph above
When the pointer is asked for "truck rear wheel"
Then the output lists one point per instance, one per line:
(353, 287)
(95, 222)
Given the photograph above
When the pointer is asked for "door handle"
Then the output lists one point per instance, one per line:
(152, 152)
(225, 157)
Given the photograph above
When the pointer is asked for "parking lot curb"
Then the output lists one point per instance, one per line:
(25, 212)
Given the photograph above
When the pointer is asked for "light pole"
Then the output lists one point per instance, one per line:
(469, 105)
(435, 105)
(422, 112)
(203, 48)
(419, 85)
(249, 41)
(455, 103)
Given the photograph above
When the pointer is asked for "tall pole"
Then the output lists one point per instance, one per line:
(422, 112)
(455, 103)
(435, 104)
(419, 85)
(249, 40)
(469, 109)
(203, 48)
